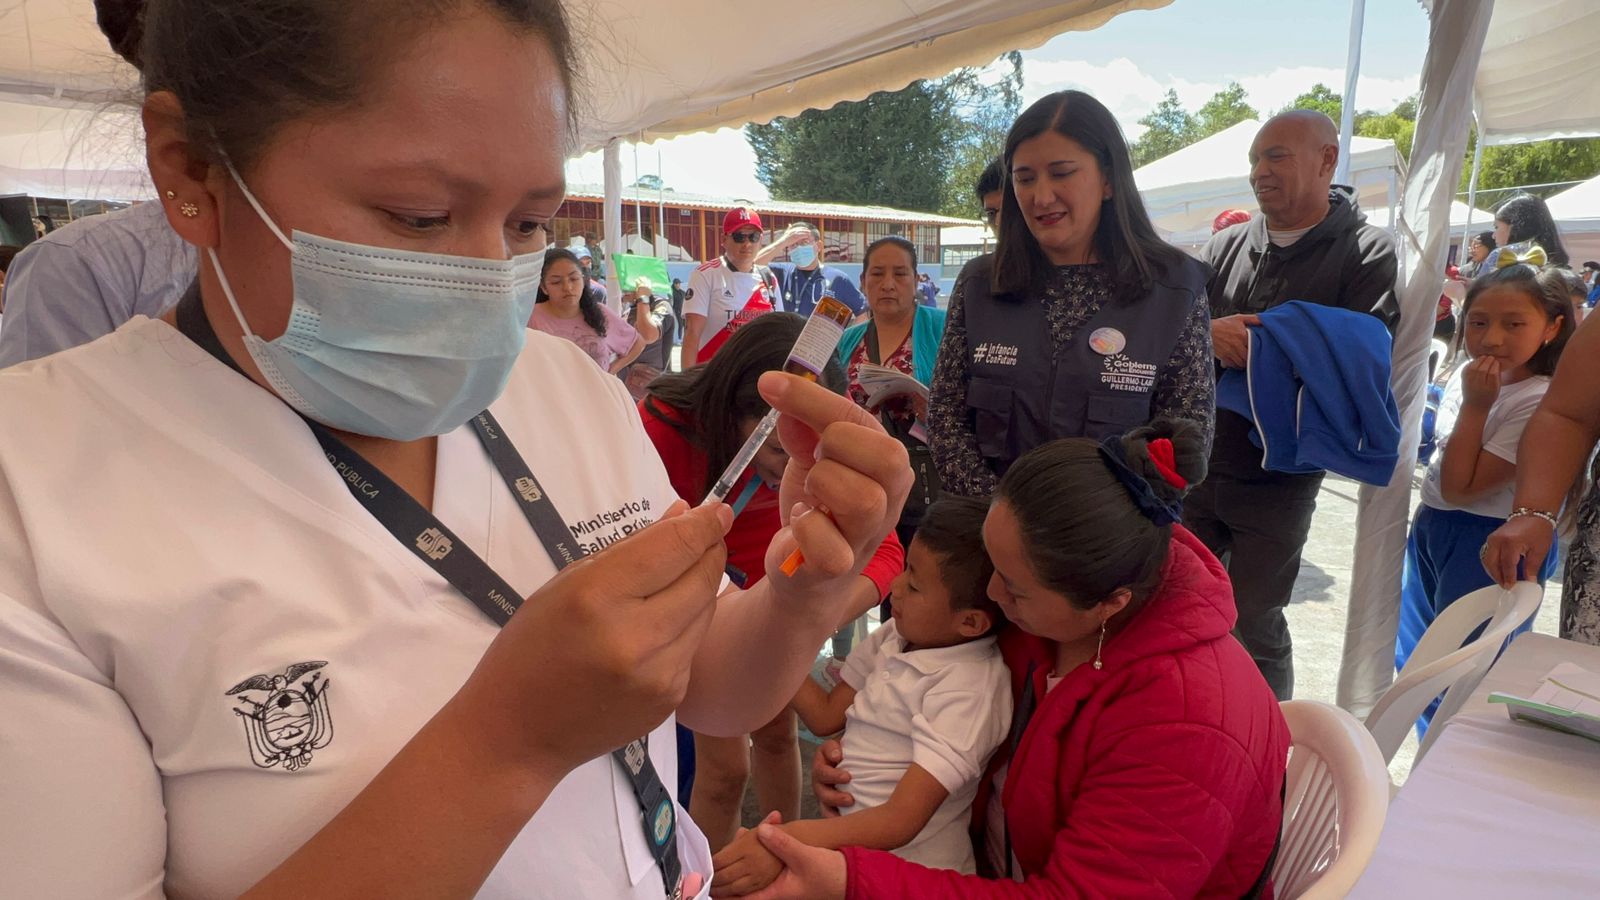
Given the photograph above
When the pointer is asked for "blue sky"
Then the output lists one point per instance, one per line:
(1275, 50)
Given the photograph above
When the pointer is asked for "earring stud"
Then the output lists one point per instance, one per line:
(172, 195)
(189, 210)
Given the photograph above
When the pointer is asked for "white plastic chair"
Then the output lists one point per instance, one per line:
(1440, 664)
(1336, 796)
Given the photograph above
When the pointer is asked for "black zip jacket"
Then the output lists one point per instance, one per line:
(1342, 261)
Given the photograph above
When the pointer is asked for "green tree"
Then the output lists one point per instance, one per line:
(1321, 98)
(909, 149)
(1541, 163)
(887, 150)
(1225, 109)
(986, 102)
(1168, 128)
(650, 183)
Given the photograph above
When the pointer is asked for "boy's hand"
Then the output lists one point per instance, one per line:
(827, 776)
(746, 865)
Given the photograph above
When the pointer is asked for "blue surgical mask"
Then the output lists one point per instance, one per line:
(803, 255)
(392, 343)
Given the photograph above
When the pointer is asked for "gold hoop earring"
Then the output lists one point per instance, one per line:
(189, 210)
(1098, 665)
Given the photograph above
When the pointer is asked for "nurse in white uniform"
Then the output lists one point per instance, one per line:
(258, 558)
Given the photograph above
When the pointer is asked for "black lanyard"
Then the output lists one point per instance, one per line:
(436, 545)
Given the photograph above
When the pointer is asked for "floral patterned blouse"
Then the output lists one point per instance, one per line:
(897, 408)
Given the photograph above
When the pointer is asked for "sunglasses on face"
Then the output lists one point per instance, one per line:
(746, 237)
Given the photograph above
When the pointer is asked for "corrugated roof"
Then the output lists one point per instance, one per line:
(779, 207)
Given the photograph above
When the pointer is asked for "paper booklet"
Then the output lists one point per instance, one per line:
(1568, 699)
(882, 382)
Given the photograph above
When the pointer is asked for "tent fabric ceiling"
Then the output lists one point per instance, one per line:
(1535, 80)
(638, 77)
(72, 153)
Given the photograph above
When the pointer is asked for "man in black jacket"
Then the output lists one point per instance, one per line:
(1310, 243)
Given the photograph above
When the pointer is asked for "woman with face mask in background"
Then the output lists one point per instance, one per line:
(261, 556)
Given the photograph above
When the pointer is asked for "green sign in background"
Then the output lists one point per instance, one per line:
(630, 267)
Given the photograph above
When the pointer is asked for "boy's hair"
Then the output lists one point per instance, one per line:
(991, 179)
(952, 529)
(1548, 290)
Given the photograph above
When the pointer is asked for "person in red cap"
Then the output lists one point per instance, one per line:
(1229, 217)
(728, 291)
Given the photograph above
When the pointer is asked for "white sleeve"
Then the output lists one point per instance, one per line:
(1507, 433)
(864, 657)
(1444, 421)
(962, 720)
(82, 808)
(697, 302)
(55, 300)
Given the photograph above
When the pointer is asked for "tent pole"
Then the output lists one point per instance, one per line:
(611, 224)
(661, 209)
(1352, 71)
(638, 199)
(1456, 31)
(1472, 194)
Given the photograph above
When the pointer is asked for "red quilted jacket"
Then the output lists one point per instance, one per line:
(1159, 775)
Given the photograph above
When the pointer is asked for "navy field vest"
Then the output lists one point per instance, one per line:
(1021, 393)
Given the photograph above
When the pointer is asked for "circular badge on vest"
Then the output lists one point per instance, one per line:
(1107, 341)
(662, 822)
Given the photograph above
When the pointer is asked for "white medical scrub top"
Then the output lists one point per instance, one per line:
(171, 533)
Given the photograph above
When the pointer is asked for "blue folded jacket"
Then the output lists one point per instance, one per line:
(1317, 389)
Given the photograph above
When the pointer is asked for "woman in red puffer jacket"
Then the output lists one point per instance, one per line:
(1148, 755)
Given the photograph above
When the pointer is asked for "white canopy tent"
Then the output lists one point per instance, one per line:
(638, 82)
(1184, 191)
(1577, 214)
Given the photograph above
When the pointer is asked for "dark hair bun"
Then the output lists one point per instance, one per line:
(122, 22)
(1189, 452)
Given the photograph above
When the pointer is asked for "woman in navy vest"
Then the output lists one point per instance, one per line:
(1083, 323)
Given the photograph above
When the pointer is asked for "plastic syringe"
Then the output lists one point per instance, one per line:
(741, 460)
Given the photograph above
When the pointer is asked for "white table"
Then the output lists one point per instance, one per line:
(1497, 808)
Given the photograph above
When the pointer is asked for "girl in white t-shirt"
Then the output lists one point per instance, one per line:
(923, 704)
(1515, 323)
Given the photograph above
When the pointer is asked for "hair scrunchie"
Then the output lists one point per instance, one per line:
(1144, 497)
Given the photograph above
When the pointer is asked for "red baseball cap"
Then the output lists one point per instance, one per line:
(1227, 218)
(741, 217)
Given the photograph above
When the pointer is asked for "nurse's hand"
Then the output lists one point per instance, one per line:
(826, 776)
(808, 874)
(601, 654)
(840, 459)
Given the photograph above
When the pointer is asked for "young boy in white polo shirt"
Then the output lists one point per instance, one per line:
(923, 703)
